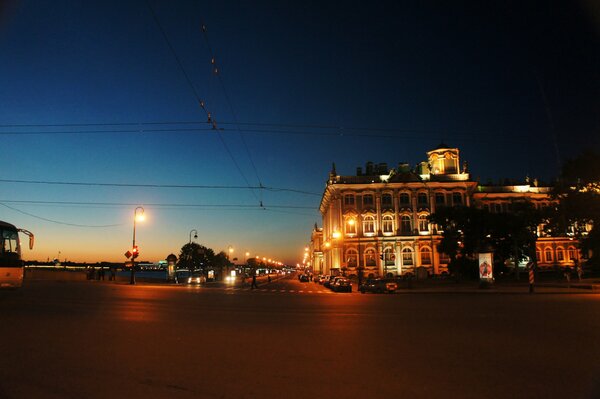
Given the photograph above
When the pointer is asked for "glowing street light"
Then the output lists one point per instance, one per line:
(137, 216)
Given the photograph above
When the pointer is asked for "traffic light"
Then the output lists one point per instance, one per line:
(135, 252)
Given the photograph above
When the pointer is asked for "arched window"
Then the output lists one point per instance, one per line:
(440, 199)
(548, 254)
(405, 224)
(407, 257)
(423, 223)
(404, 200)
(388, 224)
(350, 226)
(351, 257)
(457, 199)
(370, 258)
(386, 200)
(389, 257)
(572, 253)
(422, 199)
(560, 254)
(369, 225)
(538, 254)
(425, 256)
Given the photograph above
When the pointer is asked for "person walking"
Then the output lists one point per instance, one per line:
(578, 269)
(254, 285)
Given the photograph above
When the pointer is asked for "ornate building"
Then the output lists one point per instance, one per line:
(377, 220)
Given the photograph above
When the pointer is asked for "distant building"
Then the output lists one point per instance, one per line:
(377, 220)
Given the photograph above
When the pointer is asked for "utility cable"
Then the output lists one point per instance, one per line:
(59, 222)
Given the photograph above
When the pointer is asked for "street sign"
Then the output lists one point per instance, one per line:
(128, 254)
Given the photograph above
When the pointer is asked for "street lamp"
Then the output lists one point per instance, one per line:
(136, 216)
(195, 234)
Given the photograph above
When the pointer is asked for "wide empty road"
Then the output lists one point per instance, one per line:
(101, 340)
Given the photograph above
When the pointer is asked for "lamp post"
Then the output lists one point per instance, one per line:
(140, 217)
(195, 234)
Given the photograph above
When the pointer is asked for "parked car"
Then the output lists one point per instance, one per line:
(342, 284)
(378, 285)
(303, 278)
(320, 279)
(328, 280)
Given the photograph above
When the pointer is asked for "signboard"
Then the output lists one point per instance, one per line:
(485, 266)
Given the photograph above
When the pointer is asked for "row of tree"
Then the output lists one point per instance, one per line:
(194, 256)
(513, 235)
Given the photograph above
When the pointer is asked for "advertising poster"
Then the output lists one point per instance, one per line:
(485, 266)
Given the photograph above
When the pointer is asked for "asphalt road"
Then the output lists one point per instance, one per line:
(94, 339)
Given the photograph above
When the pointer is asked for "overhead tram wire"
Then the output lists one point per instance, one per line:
(157, 205)
(57, 221)
(175, 186)
(210, 118)
(217, 72)
(339, 132)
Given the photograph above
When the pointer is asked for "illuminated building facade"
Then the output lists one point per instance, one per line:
(377, 220)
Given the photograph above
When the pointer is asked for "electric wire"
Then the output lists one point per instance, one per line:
(57, 221)
(198, 99)
(148, 185)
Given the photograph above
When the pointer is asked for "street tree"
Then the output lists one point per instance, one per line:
(194, 257)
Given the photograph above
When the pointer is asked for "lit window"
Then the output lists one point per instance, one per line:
(388, 224)
(425, 256)
(407, 257)
(548, 254)
(572, 253)
(560, 254)
(423, 223)
(350, 226)
(369, 225)
(370, 258)
(389, 257)
(351, 257)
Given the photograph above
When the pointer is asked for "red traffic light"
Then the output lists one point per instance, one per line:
(135, 252)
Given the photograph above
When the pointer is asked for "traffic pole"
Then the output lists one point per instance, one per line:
(531, 279)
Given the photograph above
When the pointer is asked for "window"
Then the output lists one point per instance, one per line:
(407, 257)
(388, 224)
(405, 200)
(389, 257)
(457, 199)
(423, 223)
(370, 258)
(444, 258)
(560, 254)
(368, 199)
(386, 200)
(538, 254)
(351, 257)
(440, 199)
(350, 226)
(406, 225)
(548, 254)
(349, 199)
(422, 199)
(9, 242)
(369, 225)
(572, 253)
(426, 256)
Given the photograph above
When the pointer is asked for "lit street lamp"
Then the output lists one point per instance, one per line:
(140, 217)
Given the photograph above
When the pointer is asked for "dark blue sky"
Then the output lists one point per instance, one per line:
(333, 82)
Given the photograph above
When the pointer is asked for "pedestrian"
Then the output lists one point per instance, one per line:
(112, 274)
(567, 274)
(254, 285)
(269, 278)
(101, 273)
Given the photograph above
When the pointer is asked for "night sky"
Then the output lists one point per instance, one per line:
(98, 92)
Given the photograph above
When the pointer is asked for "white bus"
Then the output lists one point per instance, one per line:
(11, 264)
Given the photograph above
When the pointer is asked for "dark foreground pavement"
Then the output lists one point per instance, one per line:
(100, 340)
